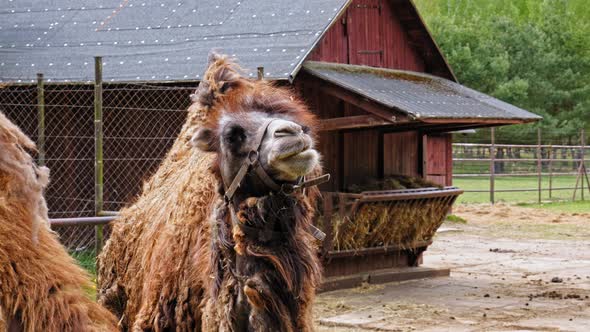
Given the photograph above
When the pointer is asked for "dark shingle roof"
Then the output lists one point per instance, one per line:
(160, 40)
(419, 95)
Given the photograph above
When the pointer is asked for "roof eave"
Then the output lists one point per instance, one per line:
(498, 121)
(473, 122)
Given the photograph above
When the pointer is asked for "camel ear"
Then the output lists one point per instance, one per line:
(213, 57)
(221, 72)
(204, 139)
(221, 76)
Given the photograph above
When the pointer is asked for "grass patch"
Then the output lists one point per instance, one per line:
(516, 182)
(456, 219)
(569, 207)
(87, 260)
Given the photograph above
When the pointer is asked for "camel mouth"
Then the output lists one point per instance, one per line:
(295, 164)
(289, 147)
(302, 156)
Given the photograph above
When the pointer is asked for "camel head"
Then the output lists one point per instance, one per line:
(256, 121)
(283, 147)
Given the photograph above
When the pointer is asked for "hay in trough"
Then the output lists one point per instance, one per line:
(393, 182)
(403, 223)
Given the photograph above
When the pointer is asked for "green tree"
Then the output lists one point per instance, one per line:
(533, 54)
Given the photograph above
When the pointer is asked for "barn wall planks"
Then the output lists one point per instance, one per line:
(398, 52)
(360, 152)
(439, 169)
(329, 142)
(364, 22)
(360, 156)
(333, 47)
(325, 107)
(329, 148)
(436, 164)
(369, 33)
(400, 153)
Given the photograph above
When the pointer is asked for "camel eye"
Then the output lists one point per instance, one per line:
(236, 135)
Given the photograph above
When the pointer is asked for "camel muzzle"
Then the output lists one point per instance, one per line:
(252, 165)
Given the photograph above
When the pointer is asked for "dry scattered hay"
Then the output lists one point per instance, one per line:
(403, 223)
(366, 288)
(555, 295)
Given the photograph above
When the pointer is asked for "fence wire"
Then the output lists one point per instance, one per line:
(140, 123)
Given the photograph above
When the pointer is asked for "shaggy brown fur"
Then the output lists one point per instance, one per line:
(278, 277)
(156, 267)
(41, 287)
(263, 279)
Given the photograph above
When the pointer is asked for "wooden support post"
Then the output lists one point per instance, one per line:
(342, 180)
(578, 175)
(327, 223)
(492, 165)
(582, 173)
(98, 151)
(260, 71)
(40, 119)
(381, 155)
(583, 162)
(424, 148)
(539, 164)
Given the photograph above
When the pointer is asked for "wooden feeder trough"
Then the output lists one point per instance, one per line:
(376, 230)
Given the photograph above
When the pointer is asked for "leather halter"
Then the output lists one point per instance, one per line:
(252, 164)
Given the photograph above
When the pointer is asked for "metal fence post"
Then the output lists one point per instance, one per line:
(551, 156)
(492, 165)
(583, 162)
(539, 164)
(40, 119)
(98, 150)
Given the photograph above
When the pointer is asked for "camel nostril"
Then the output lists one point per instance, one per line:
(290, 130)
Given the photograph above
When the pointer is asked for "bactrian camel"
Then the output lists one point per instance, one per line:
(41, 286)
(221, 236)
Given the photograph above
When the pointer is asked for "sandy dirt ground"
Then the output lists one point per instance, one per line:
(512, 269)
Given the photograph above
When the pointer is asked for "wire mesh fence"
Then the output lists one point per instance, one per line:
(140, 123)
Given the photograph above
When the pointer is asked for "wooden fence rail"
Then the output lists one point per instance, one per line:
(543, 156)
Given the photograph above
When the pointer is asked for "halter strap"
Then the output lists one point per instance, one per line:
(253, 163)
(288, 188)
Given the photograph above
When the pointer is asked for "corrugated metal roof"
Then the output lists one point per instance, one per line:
(160, 40)
(419, 95)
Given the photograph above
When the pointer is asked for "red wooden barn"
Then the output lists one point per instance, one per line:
(370, 69)
(389, 100)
